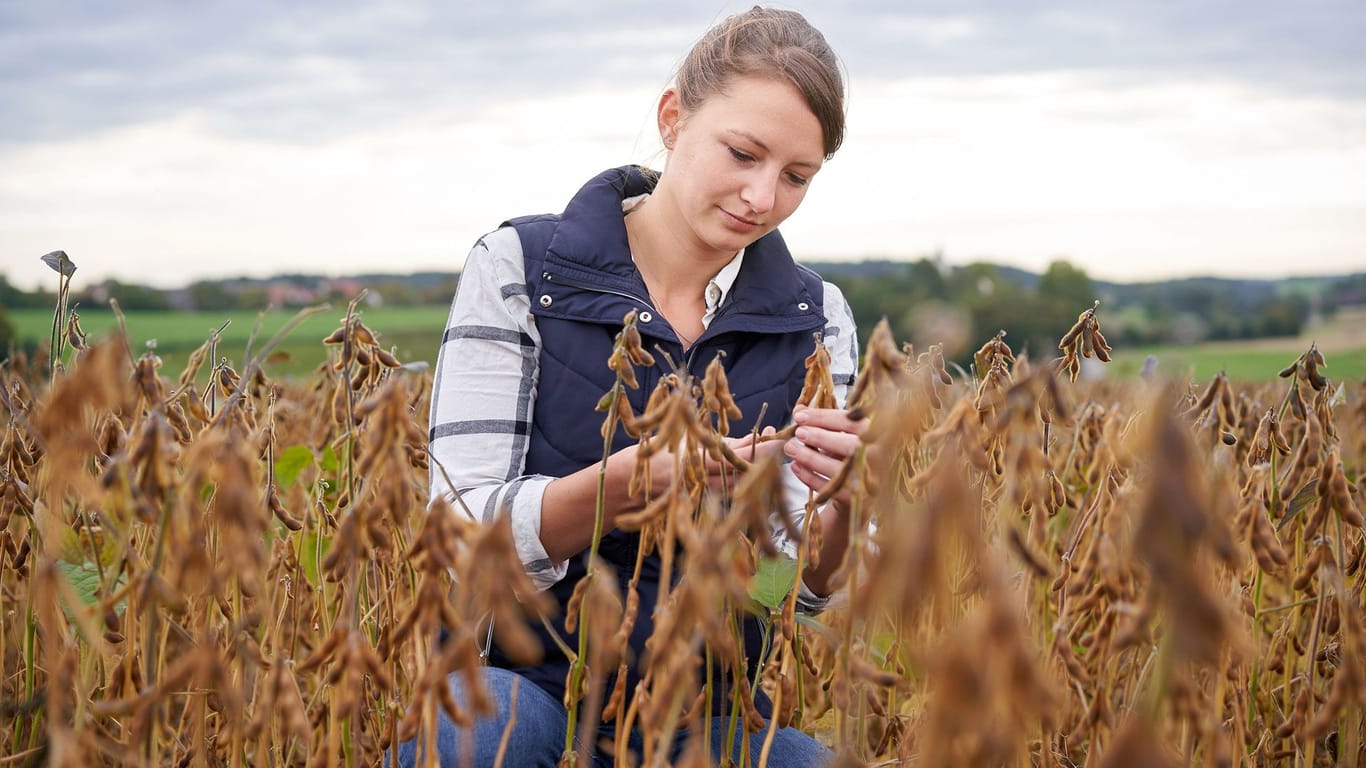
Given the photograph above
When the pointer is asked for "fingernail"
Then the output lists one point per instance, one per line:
(801, 415)
(802, 432)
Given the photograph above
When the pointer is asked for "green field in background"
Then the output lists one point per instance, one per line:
(413, 332)
(1203, 361)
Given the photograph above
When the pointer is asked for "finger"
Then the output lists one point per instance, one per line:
(818, 483)
(752, 452)
(835, 443)
(810, 479)
(750, 437)
(739, 443)
(808, 457)
(745, 448)
(835, 419)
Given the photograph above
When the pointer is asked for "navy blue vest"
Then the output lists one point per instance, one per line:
(582, 282)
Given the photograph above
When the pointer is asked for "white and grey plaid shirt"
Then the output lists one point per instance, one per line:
(485, 389)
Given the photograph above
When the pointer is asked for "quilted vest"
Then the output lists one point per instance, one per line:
(582, 282)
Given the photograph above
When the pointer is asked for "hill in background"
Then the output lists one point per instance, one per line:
(925, 301)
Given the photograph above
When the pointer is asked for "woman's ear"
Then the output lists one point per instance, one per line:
(670, 114)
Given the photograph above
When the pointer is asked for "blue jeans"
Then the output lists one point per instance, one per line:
(537, 739)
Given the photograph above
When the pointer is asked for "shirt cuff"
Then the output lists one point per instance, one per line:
(521, 501)
(808, 601)
(526, 534)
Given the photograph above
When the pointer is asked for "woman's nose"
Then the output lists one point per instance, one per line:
(759, 191)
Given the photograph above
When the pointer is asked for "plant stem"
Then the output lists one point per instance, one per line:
(30, 675)
(579, 663)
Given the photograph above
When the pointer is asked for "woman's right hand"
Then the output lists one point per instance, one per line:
(660, 469)
(569, 505)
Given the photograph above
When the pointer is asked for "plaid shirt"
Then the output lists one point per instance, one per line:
(486, 386)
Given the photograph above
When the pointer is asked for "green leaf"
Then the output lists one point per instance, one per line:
(773, 581)
(290, 463)
(827, 632)
(312, 549)
(1303, 498)
(110, 551)
(329, 462)
(882, 642)
(69, 547)
(1307, 494)
(84, 579)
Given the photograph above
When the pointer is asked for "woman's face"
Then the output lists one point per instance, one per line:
(740, 164)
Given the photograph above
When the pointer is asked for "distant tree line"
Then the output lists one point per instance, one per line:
(925, 301)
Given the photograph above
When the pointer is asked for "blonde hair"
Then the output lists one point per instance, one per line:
(768, 42)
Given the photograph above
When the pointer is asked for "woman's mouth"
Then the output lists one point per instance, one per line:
(739, 223)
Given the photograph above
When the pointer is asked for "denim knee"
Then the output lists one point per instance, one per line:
(536, 738)
(791, 748)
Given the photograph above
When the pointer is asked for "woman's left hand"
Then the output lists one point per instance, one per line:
(825, 439)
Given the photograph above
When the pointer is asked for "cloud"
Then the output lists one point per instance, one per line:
(168, 141)
(1127, 182)
(1278, 45)
(309, 70)
(163, 203)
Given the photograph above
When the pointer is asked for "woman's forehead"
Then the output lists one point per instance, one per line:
(768, 112)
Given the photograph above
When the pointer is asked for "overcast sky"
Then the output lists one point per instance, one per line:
(162, 142)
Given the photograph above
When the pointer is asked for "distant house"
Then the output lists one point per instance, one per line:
(289, 294)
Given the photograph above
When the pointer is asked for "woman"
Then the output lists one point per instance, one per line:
(756, 108)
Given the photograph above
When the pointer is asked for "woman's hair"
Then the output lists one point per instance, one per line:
(774, 43)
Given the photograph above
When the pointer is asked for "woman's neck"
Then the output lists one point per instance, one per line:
(672, 264)
(674, 269)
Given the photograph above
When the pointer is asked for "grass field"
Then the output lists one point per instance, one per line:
(414, 332)
(1202, 361)
(1342, 340)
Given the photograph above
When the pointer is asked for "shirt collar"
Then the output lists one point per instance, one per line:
(719, 287)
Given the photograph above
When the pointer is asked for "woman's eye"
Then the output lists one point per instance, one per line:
(798, 180)
(741, 156)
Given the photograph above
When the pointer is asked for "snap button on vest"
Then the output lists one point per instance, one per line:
(803, 306)
(545, 299)
(646, 317)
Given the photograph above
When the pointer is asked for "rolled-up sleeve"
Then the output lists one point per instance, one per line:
(483, 396)
(841, 340)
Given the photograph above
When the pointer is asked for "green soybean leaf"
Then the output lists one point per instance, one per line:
(84, 579)
(773, 581)
(69, 546)
(290, 463)
(1306, 495)
(882, 642)
(312, 549)
(829, 633)
(329, 461)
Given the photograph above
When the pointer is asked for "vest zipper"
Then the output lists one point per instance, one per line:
(549, 278)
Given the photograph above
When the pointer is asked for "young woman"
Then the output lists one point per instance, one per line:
(755, 110)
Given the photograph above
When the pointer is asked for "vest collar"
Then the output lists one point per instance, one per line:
(590, 243)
